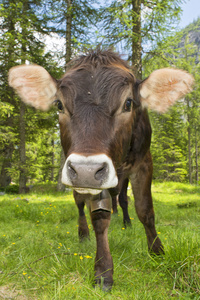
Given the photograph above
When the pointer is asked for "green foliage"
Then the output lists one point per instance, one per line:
(20, 27)
(75, 20)
(175, 134)
(158, 18)
(41, 257)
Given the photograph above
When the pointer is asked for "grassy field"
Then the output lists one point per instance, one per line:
(41, 257)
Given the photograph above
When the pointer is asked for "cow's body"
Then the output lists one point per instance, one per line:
(106, 136)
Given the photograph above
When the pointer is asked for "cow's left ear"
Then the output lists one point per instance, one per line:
(163, 87)
(34, 85)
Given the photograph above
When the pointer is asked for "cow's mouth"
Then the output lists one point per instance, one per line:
(87, 191)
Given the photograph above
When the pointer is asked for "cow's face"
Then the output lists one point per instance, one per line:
(98, 99)
(97, 107)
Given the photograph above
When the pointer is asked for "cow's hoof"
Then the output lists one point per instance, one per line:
(156, 250)
(127, 223)
(84, 237)
(105, 284)
(83, 234)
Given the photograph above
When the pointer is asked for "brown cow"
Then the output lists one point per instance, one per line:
(106, 136)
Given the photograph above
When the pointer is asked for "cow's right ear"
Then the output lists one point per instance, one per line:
(34, 85)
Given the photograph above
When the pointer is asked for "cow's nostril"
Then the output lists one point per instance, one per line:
(101, 172)
(71, 171)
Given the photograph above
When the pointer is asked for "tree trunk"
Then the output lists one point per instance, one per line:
(5, 178)
(68, 16)
(60, 185)
(52, 160)
(189, 142)
(22, 131)
(22, 149)
(196, 156)
(136, 39)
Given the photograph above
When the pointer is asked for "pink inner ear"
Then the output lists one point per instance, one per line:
(34, 85)
(164, 87)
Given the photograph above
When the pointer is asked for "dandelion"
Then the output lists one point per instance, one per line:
(81, 257)
(29, 277)
(88, 256)
(13, 243)
(24, 273)
(123, 228)
(158, 232)
(67, 232)
(60, 244)
(4, 235)
(75, 254)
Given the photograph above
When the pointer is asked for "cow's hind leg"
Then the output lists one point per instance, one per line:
(83, 230)
(123, 201)
(141, 184)
(103, 261)
(114, 205)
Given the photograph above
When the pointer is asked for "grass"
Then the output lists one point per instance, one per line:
(41, 257)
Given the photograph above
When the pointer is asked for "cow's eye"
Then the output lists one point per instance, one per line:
(128, 105)
(59, 105)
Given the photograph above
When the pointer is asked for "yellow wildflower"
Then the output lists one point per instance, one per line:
(87, 256)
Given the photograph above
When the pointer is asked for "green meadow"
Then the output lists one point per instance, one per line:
(41, 256)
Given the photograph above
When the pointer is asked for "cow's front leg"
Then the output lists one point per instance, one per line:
(141, 184)
(83, 230)
(123, 201)
(103, 261)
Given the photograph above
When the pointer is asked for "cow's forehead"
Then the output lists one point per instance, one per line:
(99, 85)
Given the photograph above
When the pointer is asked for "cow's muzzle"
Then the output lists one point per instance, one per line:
(89, 173)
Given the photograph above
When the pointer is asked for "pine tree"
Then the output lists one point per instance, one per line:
(132, 24)
(19, 44)
(177, 51)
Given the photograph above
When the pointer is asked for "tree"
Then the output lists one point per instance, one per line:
(20, 27)
(178, 51)
(138, 24)
(75, 21)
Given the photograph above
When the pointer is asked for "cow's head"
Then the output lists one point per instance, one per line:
(98, 101)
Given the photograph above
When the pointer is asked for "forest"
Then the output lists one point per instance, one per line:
(50, 33)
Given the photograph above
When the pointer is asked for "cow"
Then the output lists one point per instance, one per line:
(106, 135)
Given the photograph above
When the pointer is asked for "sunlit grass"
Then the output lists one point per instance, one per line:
(41, 257)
